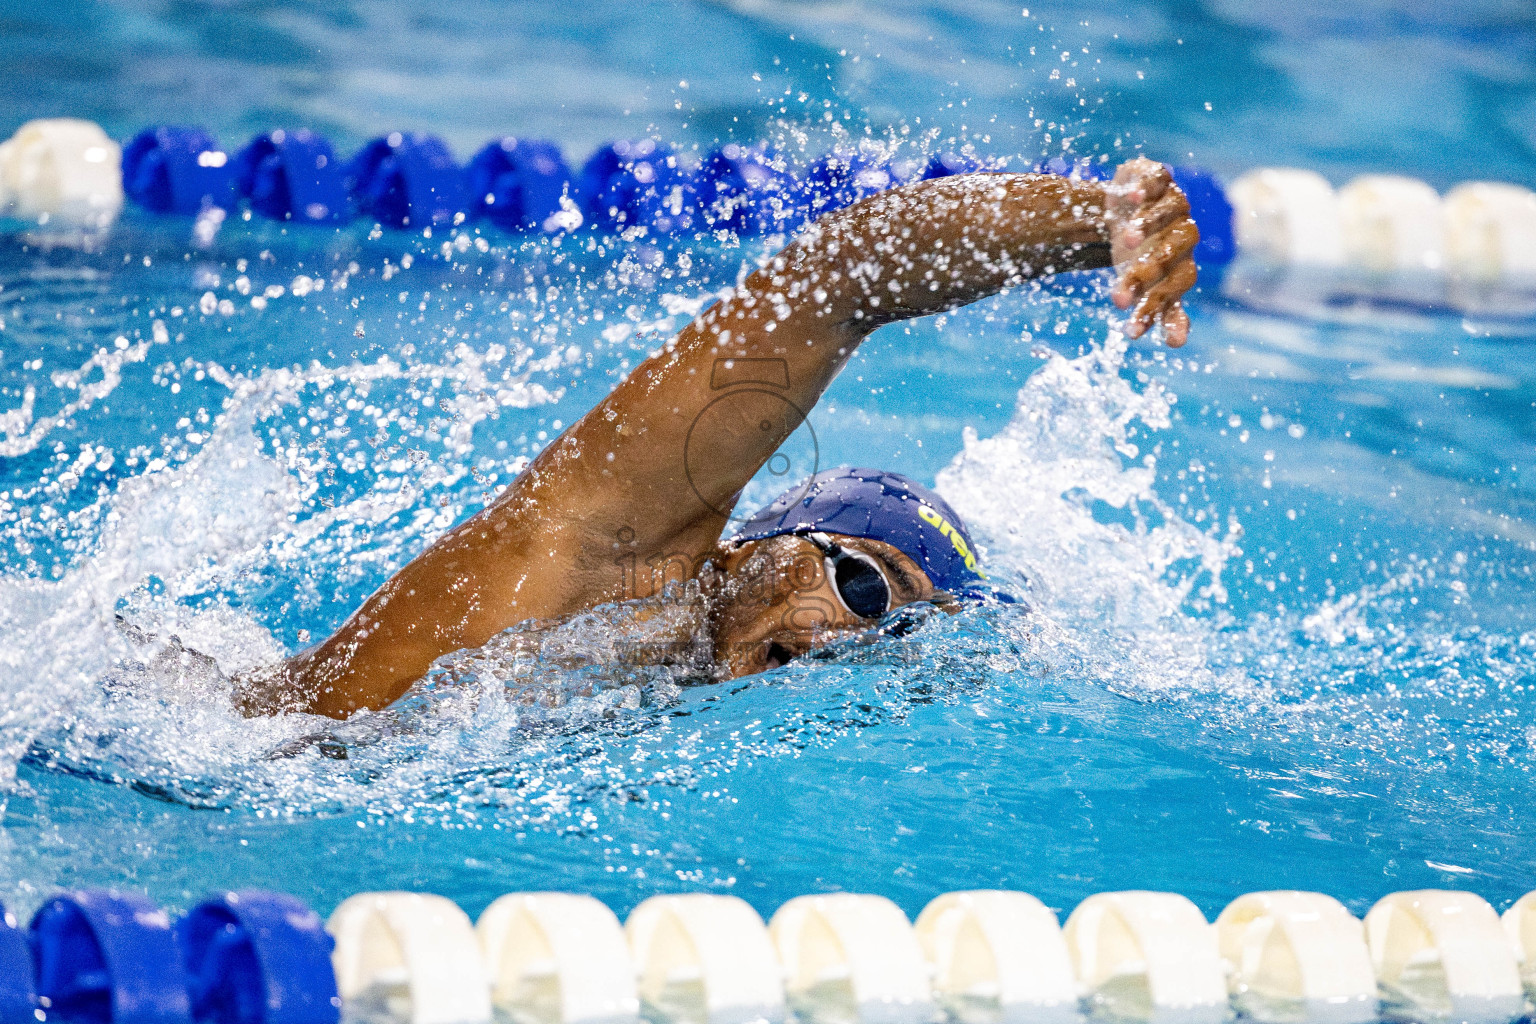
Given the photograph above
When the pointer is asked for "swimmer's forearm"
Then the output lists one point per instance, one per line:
(936, 245)
(941, 244)
(458, 593)
(924, 248)
(370, 661)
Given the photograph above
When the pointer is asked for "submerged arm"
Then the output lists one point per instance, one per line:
(640, 488)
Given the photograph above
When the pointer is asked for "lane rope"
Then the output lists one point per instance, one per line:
(975, 957)
(1274, 237)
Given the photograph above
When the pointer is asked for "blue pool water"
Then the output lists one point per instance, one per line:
(1281, 629)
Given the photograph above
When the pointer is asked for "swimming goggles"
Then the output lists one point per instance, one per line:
(860, 585)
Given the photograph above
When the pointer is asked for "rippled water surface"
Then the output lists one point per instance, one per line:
(1280, 632)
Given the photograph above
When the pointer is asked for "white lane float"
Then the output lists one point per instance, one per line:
(998, 958)
(556, 958)
(1286, 216)
(1490, 244)
(1443, 955)
(410, 957)
(1286, 233)
(1394, 239)
(1297, 956)
(1391, 225)
(61, 171)
(1520, 926)
(704, 959)
(1147, 956)
(852, 959)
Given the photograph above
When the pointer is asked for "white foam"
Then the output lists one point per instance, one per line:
(1029, 494)
(77, 676)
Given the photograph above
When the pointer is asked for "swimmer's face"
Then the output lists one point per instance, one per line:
(776, 601)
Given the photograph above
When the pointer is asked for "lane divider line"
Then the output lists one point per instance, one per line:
(999, 957)
(1277, 236)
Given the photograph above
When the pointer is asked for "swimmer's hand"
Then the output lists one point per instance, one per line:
(1151, 237)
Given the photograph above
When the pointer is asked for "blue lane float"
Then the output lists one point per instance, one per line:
(408, 180)
(517, 184)
(943, 165)
(841, 178)
(1211, 212)
(108, 958)
(745, 189)
(256, 957)
(177, 169)
(293, 176)
(638, 182)
(18, 992)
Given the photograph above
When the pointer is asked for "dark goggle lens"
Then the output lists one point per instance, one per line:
(862, 587)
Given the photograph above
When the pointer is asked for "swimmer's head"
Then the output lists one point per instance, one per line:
(832, 555)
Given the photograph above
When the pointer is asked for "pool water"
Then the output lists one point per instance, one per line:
(1280, 623)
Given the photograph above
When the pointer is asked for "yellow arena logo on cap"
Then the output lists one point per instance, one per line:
(930, 515)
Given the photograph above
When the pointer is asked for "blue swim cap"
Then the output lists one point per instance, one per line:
(880, 506)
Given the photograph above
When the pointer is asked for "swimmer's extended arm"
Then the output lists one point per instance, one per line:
(646, 479)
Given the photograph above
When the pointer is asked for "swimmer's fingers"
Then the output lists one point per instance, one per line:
(1151, 238)
(1148, 221)
(1149, 175)
(1137, 183)
(1160, 304)
(1161, 294)
(1175, 326)
(1147, 265)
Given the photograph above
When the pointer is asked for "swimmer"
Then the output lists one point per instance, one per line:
(639, 491)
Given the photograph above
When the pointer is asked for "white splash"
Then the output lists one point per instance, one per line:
(73, 672)
(1029, 494)
(22, 434)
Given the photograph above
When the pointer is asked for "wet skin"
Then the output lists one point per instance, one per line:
(773, 600)
(613, 507)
